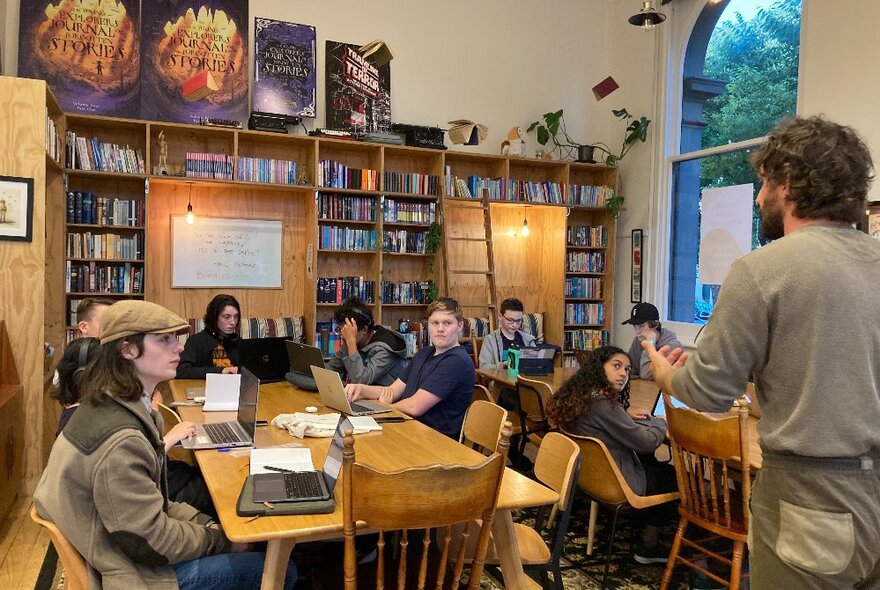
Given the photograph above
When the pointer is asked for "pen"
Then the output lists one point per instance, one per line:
(390, 419)
(278, 469)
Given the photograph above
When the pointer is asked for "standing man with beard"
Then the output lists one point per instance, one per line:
(801, 316)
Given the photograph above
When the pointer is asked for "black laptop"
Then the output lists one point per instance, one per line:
(264, 357)
(304, 486)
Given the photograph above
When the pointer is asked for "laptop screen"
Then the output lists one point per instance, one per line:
(660, 409)
(247, 401)
(264, 357)
(333, 461)
(303, 356)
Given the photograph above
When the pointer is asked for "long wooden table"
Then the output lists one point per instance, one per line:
(398, 446)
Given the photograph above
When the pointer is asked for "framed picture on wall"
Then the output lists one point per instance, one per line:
(16, 208)
(636, 266)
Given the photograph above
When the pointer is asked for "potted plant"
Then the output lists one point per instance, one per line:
(636, 130)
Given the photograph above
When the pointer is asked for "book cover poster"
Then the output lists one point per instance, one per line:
(87, 51)
(195, 62)
(358, 93)
(285, 82)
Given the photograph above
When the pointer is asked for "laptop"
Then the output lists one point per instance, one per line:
(660, 409)
(239, 433)
(333, 395)
(302, 357)
(264, 357)
(304, 486)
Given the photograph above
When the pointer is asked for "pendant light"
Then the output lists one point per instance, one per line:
(647, 18)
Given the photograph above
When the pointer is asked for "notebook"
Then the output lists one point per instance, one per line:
(303, 486)
(333, 395)
(660, 409)
(302, 357)
(264, 357)
(239, 433)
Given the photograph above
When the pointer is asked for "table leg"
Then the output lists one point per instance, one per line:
(508, 551)
(275, 568)
(591, 529)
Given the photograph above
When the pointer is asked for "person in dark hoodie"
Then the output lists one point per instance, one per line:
(214, 349)
(370, 354)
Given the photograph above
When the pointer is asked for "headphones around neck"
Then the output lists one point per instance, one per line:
(82, 358)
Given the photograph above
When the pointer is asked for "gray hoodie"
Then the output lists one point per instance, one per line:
(379, 362)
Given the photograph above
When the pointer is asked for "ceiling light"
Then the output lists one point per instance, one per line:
(647, 18)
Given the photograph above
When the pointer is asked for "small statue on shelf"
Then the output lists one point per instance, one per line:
(162, 168)
(302, 177)
(514, 145)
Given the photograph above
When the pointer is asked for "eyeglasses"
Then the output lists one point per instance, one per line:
(514, 322)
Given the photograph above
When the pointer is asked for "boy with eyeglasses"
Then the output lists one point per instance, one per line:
(493, 354)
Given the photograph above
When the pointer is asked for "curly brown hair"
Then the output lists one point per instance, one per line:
(828, 167)
(584, 388)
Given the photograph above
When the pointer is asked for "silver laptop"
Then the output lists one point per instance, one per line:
(239, 433)
(660, 409)
(302, 357)
(305, 486)
(333, 395)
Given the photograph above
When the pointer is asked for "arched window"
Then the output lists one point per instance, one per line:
(739, 77)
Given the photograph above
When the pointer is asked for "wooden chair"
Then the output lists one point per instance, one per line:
(707, 454)
(476, 345)
(170, 419)
(76, 572)
(532, 394)
(602, 481)
(481, 392)
(430, 497)
(482, 426)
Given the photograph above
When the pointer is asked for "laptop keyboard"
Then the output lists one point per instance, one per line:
(302, 485)
(360, 408)
(221, 433)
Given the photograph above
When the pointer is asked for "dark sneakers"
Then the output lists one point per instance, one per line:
(658, 553)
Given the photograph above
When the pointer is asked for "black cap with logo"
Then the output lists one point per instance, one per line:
(641, 313)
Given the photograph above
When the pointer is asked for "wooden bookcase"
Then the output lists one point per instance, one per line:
(12, 431)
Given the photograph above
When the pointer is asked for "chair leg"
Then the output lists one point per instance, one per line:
(673, 553)
(591, 529)
(557, 577)
(610, 545)
(736, 566)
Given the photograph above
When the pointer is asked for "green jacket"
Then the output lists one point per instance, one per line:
(105, 487)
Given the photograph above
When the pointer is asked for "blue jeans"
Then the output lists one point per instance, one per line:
(226, 571)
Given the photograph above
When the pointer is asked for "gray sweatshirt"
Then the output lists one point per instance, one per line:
(802, 316)
(641, 364)
(379, 362)
(493, 346)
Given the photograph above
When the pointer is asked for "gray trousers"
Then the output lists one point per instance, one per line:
(815, 523)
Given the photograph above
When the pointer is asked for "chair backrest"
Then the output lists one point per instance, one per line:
(533, 394)
(707, 452)
(76, 572)
(434, 496)
(556, 465)
(600, 478)
(476, 345)
(482, 426)
(170, 419)
(581, 356)
(481, 392)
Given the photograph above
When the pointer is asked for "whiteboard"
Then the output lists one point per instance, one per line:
(219, 252)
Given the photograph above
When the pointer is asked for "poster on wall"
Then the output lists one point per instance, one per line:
(285, 81)
(87, 51)
(195, 61)
(358, 93)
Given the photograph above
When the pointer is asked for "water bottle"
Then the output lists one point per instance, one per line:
(513, 361)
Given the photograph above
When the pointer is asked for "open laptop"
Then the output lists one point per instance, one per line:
(660, 409)
(304, 486)
(302, 357)
(264, 357)
(333, 395)
(239, 433)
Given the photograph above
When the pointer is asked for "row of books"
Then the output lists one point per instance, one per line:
(588, 195)
(525, 191)
(94, 278)
(585, 339)
(337, 175)
(86, 207)
(474, 186)
(108, 246)
(266, 170)
(208, 165)
(414, 292)
(585, 313)
(589, 236)
(53, 140)
(403, 241)
(93, 154)
(585, 262)
(328, 341)
(583, 288)
(346, 238)
(338, 289)
(333, 206)
(411, 182)
(407, 212)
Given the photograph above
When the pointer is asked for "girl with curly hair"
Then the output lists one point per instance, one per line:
(593, 403)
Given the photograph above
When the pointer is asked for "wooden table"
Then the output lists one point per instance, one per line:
(500, 376)
(398, 446)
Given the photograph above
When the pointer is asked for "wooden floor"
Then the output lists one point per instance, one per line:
(22, 548)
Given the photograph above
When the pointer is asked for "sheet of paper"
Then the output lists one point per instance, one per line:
(221, 392)
(283, 457)
(364, 423)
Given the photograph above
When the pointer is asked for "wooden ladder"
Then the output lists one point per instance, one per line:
(462, 263)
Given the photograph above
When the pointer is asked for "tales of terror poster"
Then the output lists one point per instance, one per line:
(88, 51)
(195, 61)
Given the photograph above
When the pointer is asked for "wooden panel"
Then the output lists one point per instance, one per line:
(22, 284)
(531, 268)
(12, 433)
(293, 208)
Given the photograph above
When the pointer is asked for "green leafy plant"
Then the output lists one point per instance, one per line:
(433, 239)
(614, 204)
(551, 129)
(636, 131)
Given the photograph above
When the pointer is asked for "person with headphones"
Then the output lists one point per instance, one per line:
(214, 349)
(370, 354)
